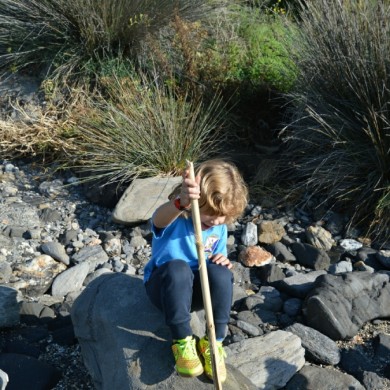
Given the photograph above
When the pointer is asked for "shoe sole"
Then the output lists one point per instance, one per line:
(185, 375)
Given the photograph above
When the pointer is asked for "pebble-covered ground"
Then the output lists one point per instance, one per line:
(67, 358)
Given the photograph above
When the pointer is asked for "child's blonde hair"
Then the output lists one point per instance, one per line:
(223, 191)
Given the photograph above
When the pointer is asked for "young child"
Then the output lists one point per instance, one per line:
(172, 278)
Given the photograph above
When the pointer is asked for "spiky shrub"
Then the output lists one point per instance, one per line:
(61, 36)
(141, 128)
(339, 134)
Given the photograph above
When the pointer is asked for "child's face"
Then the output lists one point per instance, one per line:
(209, 221)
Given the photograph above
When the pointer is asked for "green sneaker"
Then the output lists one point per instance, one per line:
(187, 360)
(204, 350)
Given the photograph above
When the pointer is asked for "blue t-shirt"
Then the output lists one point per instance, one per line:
(177, 241)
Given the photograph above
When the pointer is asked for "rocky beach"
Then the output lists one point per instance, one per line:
(311, 299)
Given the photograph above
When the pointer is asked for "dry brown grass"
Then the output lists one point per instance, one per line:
(44, 136)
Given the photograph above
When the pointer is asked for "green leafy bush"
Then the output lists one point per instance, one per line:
(237, 46)
(266, 56)
(339, 134)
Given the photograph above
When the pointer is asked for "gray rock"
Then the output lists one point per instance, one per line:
(299, 285)
(335, 254)
(94, 275)
(269, 298)
(312, 377)
(269, 361)
(117, 265)
(236, 334)
(137, 241)
(134, 207)
(369, 257)
(130, 270)
(49, 215)
(256, 211)
(319, 348)
(340, 304)
(6, 245)
(382, 346)
(56, 251)
(9, 190)
(309, 256)
(9, 307)
(53, 188)
(70, 280)
(113, 246)
(360, 266)
(239, 294)
(340, 267)
(3, 380)
(249, 317)
(292, 306)
(9, 167)
(249, 235)
(373, 381)
(266, 316)
(355, 363)
(5, 271)
(122, 350)
(23, 215)
(248, 328)
(319, 237)
(92, 255)
(241, 274)
(281, 252)
(34, 234)
(384, 258)
(67, 237)
(349, 244)
(271, 274)
(38, 274)
(15, 231)
(37, 310)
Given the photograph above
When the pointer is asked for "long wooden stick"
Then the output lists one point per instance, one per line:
(204, 281)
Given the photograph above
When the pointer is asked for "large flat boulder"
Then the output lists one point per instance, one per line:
(312, 377)
(125, 343)
(10, 300)
(269, 361)
(340, 304)
(142, 197)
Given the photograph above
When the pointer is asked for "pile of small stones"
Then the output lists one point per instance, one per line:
(46, 215)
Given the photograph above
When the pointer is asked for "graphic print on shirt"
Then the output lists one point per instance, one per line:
(210, 244)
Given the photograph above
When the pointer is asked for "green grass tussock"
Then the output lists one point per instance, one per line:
(141, 127)
(339, 136)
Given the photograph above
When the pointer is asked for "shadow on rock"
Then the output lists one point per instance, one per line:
(120, 333)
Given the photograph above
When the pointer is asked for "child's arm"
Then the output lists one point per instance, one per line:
(168, 212)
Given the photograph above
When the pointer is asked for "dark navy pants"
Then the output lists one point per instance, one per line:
(175, 289)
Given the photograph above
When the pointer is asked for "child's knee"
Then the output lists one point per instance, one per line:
(178, 270)
(220, 275)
